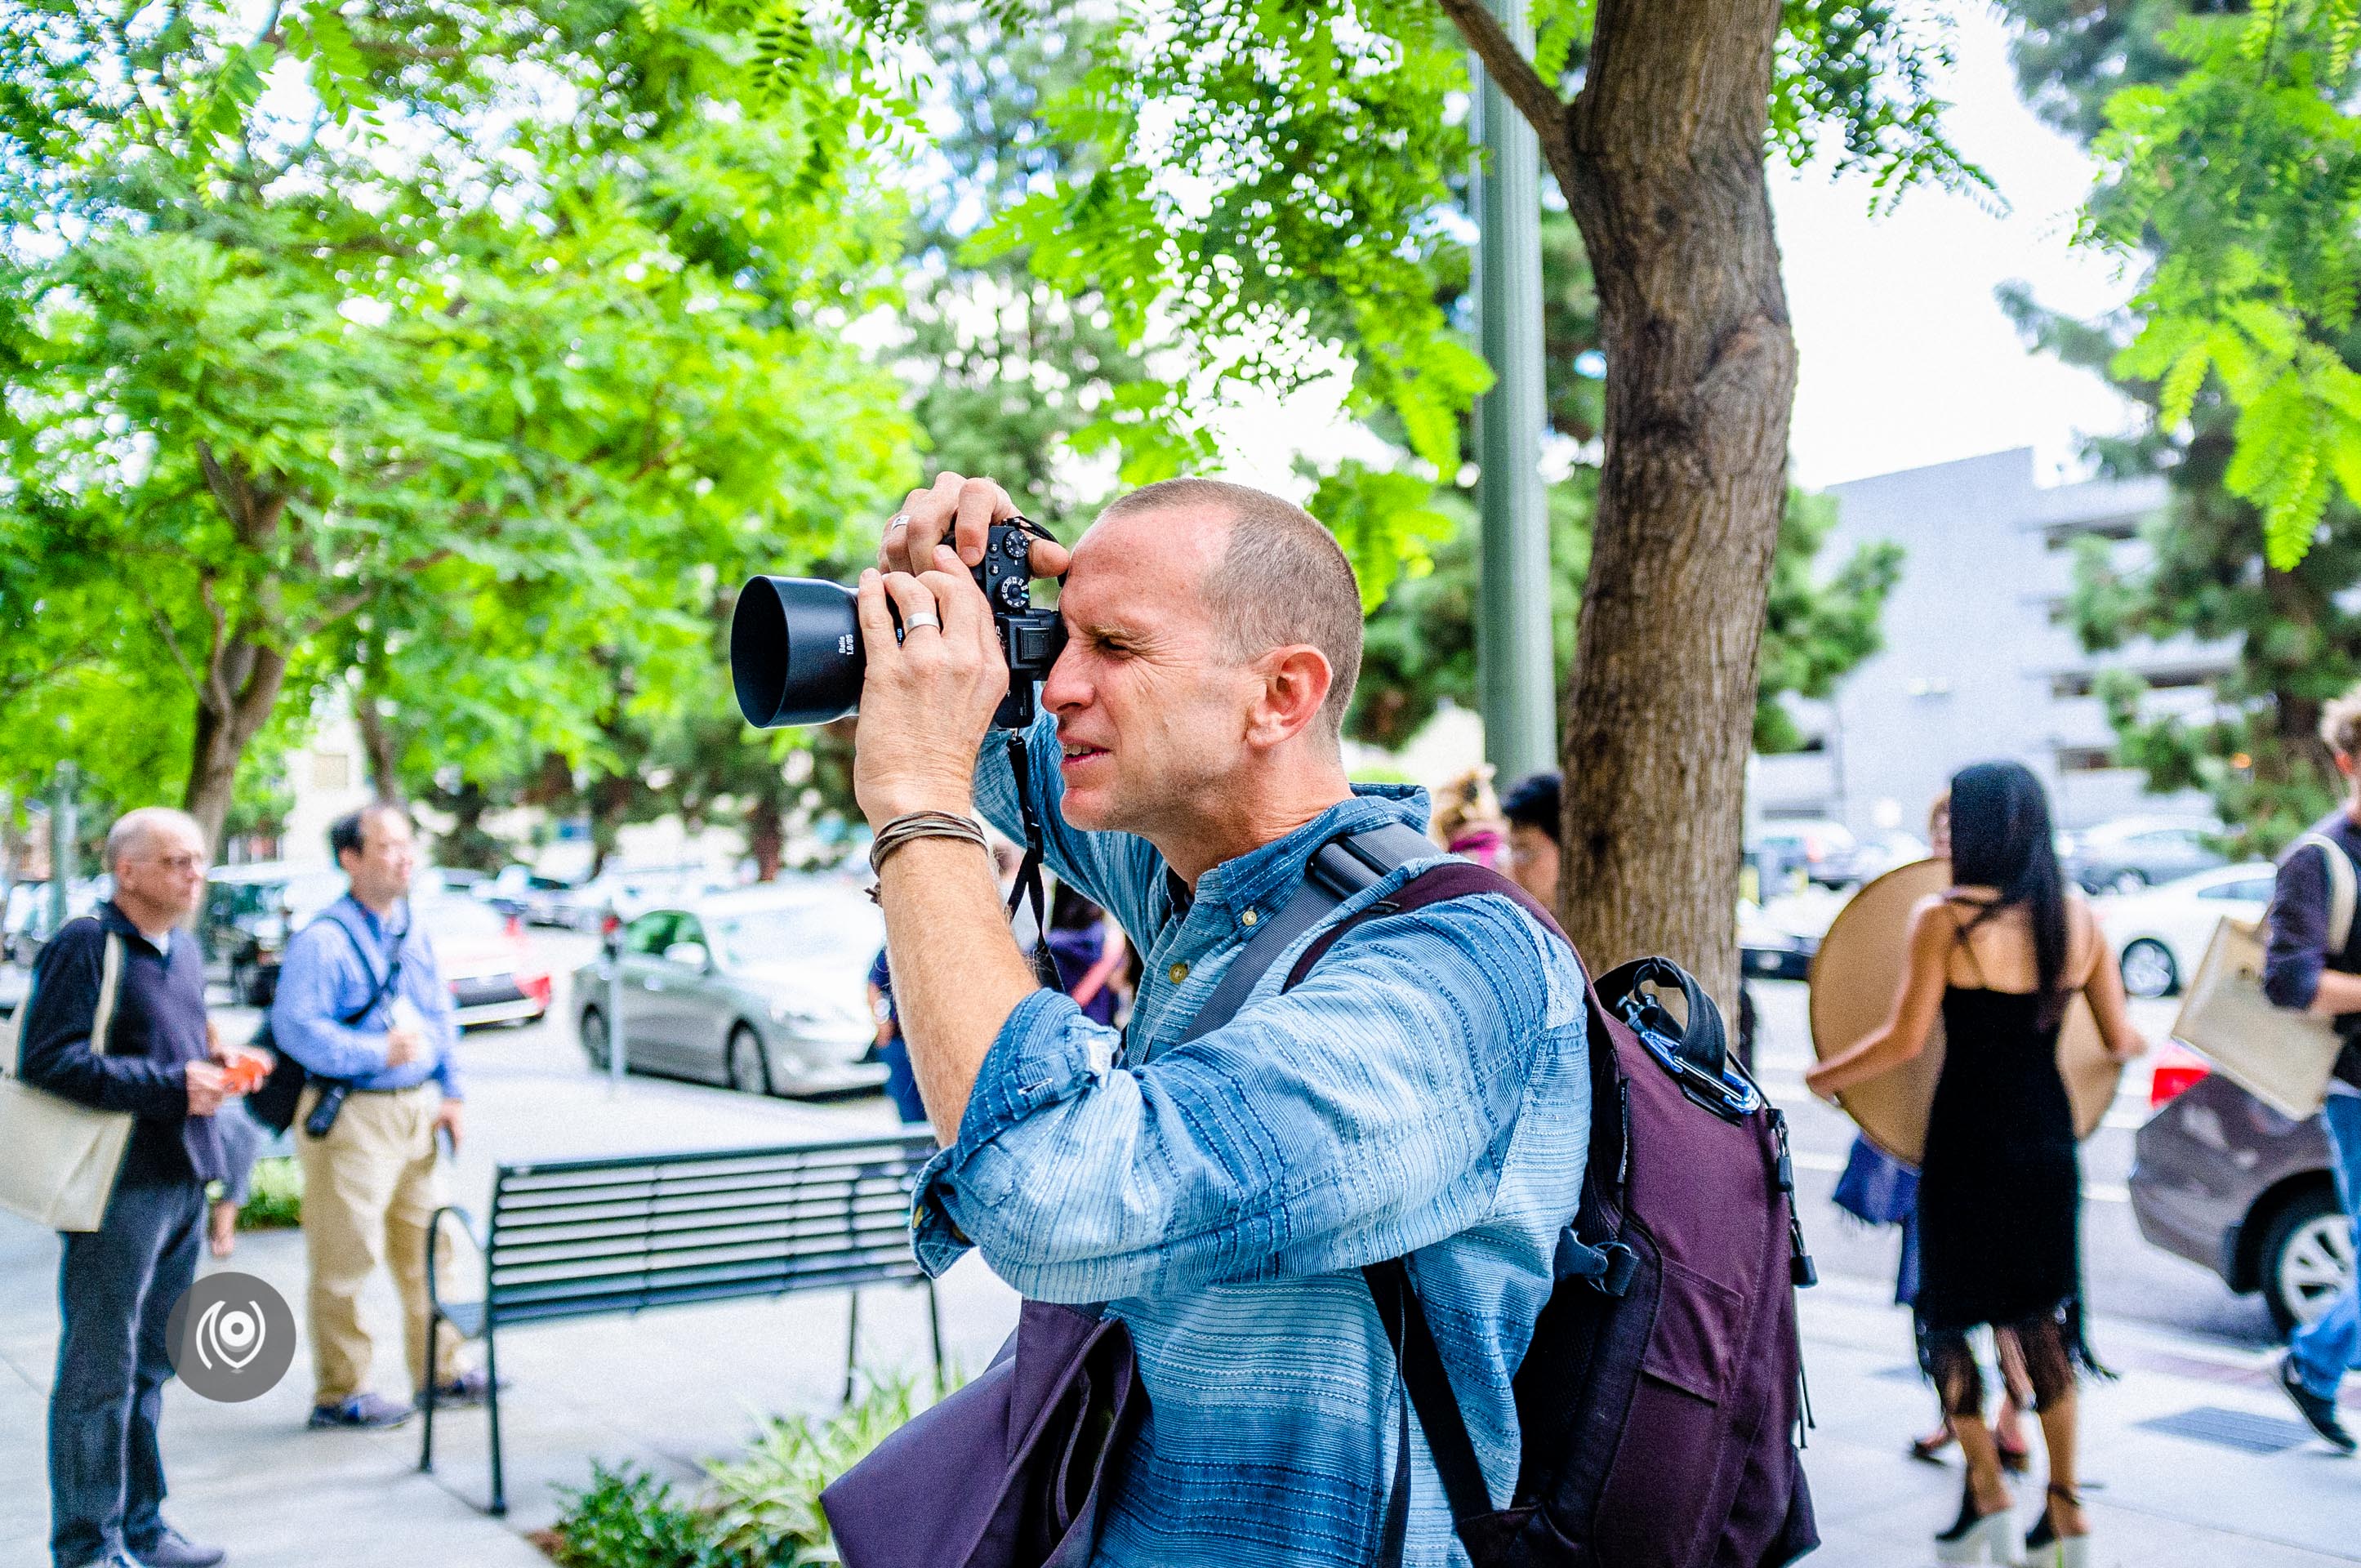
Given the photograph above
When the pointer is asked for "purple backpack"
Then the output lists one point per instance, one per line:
(1657, 1405)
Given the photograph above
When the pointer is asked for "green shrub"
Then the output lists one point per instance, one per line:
(276, 1198)
(627, 1518)
(766, 1508)
(762, 1509)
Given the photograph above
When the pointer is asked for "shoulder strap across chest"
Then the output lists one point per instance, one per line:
(1337, 871)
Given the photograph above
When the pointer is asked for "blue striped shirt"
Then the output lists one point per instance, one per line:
(1423, 1091)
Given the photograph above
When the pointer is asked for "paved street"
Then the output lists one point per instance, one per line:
(2193, 1457)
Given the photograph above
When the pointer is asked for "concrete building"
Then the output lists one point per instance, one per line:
(1980, 661)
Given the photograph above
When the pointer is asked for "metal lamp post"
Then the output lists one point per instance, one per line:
(1516, 671)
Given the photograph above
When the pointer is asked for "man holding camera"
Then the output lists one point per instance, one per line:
(1424, 1092)
(362, 1006)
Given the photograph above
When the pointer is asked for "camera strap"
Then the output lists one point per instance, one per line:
(1027, 887)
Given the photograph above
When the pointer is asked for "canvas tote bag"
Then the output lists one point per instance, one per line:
(61, 1158)
(2279, 1056)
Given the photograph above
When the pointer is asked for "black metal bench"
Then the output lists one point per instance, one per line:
(586, 1237)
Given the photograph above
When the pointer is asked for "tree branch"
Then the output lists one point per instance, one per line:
(171, 641)
(1519, 83)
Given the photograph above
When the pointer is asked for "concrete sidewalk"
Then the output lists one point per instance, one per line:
(2193, 1458)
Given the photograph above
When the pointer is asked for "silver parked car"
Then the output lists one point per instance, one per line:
(764, 990)
(2227, 1182)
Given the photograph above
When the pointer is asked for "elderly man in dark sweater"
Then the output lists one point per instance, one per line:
(117, 1284)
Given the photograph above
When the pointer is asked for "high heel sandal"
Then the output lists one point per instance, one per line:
(1930, 1449)
(1979, 1538)
(2047, 1549)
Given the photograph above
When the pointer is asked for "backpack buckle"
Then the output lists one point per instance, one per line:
(1607, 1269)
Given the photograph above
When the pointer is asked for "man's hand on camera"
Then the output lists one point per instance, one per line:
(958, 512)
(926, 700)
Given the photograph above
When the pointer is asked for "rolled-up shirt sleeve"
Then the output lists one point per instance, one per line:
(2297, 948)
(304, 1014)
(1360, 1116)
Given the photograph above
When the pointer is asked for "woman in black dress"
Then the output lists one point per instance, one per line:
(2000, 956)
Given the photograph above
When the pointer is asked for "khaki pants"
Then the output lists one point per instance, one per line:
(370, 1188)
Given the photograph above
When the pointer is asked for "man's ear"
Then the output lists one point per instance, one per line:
(2343, 763)
(1295, 681)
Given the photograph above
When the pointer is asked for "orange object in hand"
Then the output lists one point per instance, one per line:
(247, 1070)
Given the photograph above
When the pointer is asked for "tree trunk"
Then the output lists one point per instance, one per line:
(767, 835)
(232, 707)
(383, 747)
(1660, 157)
(1666, 137)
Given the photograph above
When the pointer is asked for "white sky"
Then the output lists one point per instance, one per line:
(1906, 358)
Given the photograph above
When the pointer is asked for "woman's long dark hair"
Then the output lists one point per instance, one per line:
(2000, 838)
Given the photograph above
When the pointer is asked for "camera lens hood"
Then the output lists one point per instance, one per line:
(794, 652)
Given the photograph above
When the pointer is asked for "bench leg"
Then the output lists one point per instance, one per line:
(935, 1322)
(426, 1444)
(852, 1345)
(493, 1400)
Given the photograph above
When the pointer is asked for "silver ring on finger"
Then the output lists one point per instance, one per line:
(921, 618)
(899, 519)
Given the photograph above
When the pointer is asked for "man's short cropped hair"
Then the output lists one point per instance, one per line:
(1534, 802)
(2339, 725)
(1283, 581)
(346, 831)
(133, 829)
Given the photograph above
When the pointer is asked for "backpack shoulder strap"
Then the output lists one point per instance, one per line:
(1337, 871)
(2342, 890)
(110, 982)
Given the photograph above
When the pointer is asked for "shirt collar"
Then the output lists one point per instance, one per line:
(376, 928)
(112, 918)
(1263, 879)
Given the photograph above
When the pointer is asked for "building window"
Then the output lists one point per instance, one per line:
(2085, 759)
(2064, 686)
(332, 770)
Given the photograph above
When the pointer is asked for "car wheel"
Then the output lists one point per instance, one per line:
(2148, 968)
(2128, 881)
(749, 1070)
(2307, 1260)
(593, 1033)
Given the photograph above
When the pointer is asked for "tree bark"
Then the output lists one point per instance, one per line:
(767, 836)
(384, 748)
(231, 709)
(1660, 157)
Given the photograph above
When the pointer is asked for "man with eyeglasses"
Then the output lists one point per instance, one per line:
(116, 1285)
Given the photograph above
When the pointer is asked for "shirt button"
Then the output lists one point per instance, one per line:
(1178, 972)
(1248, 918)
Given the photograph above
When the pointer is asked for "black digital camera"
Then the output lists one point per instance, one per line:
(795, 642)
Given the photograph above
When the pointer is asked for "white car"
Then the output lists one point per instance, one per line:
(2160, 935)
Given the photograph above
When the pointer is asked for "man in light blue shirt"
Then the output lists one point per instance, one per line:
(362, 1006)
(1424, 1092)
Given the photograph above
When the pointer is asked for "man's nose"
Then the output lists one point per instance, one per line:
(1066, 688)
